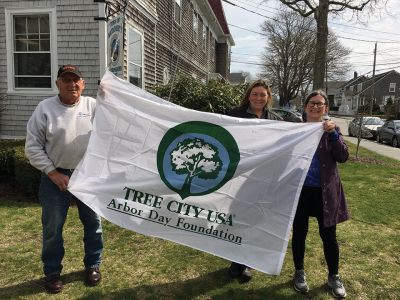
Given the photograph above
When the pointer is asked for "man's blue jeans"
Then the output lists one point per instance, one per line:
(55, 206)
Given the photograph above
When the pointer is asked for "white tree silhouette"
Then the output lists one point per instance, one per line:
(195, 157)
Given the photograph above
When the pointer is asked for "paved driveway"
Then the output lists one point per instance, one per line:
(372, 145)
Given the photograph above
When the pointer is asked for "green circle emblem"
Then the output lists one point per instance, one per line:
(196, 158)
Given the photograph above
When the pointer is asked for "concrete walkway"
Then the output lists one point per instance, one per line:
(372, 145)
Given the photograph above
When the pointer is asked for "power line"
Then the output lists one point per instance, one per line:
(329, 22)
(247, 62)
(276, 20)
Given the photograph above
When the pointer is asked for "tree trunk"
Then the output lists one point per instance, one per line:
(321, 16)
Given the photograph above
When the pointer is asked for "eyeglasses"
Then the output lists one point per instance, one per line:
(317, 104)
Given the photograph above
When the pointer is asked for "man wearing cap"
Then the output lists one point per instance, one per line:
(57, 136)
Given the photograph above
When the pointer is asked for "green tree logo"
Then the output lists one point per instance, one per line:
(196, 158)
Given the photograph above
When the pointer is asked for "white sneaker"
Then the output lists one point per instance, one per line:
(336, 286)
(300, 282)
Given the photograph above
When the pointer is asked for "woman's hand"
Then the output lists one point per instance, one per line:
(329, 126)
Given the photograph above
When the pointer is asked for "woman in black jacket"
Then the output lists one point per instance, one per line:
(255, 104)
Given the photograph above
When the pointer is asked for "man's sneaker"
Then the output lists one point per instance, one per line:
(300, 282)
(336, 286)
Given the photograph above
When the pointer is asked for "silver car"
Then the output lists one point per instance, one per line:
(369, 126)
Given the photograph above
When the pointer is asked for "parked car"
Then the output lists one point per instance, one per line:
(389, 132)
(369, 126)
(288, 115)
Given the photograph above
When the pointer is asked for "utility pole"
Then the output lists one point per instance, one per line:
(373, 83)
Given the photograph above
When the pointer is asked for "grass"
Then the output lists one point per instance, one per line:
(139, 267)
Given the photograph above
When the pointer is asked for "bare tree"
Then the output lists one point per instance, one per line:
(290, 51)
(320, 9)
(336, 59)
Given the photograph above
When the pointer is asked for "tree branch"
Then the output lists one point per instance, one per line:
(348, 5)
(294, 5)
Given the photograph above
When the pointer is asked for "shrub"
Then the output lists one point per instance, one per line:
(365, 108)
(26, 176)
(214, 96)
(7, 151)
(15, 168)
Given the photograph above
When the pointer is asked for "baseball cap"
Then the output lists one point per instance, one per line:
(69, 69)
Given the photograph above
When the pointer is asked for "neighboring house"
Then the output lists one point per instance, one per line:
(160, 38)
(359, 90)
(334, 87)
(239, 78)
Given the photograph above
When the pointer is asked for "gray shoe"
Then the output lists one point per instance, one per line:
(300, 282)
(336, 286)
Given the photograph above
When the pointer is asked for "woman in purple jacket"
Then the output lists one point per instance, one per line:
(322, 197)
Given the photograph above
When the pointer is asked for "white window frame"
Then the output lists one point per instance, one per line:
(212, 47)
(166, 76)
(9, 15)
(392, 87)
(178, 3)
(204, 37)
(142, 49)
(195, 26)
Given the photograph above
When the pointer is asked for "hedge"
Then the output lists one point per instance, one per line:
(213, 96)
(26, 176)
(16, 169)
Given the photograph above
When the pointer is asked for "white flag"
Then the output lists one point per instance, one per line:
(223, 185)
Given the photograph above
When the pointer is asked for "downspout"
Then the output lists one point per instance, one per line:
(102, 40)
(155, 54)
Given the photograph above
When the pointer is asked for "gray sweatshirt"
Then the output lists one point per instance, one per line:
(58, 134)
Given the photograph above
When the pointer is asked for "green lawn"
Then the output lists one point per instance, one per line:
(139, 267)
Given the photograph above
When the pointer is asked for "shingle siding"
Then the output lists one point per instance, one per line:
(166, 45)
(77, 43)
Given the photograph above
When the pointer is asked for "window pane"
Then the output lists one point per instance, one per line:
(21, 45)
(33, 24)
(32, 64)
(135, 48)
(20, 25)
(33, 45)
(20, 37)
(44, 24)
(33, 82)
(33, 36)
(44, 45)
(135, 75)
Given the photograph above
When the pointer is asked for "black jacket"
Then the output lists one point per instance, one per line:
(241, 112)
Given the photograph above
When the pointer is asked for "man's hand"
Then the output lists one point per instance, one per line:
(59, 179)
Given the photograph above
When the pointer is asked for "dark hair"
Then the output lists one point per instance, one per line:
(257, 83)
(317, 93)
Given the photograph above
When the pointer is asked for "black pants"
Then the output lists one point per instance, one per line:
(310, 204)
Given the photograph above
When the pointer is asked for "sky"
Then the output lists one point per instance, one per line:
(379, 26)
